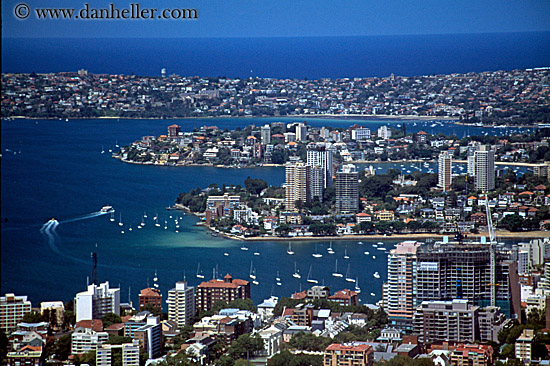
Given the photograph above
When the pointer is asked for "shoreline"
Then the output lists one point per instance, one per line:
(499, 235)
(373, 117)
(413, 161)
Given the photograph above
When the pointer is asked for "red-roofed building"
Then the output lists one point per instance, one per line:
(26, 356)
(348, 354)
(150, 296)
(226, 290)
(345, 297)
(472, 354)
(94, 324)
(363, 217)
(173, 131)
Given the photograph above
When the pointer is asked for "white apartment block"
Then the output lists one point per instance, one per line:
(12, 310)
(97, 301)
(85, 339)
(181, 303)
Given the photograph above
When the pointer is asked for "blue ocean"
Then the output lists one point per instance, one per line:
(311, 57)
(55, 169)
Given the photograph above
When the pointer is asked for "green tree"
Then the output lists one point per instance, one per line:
(245, 346)
(32, 317)
(63, 347)
(116, 339)
(255, 186)
(4, 345)
(110, 318)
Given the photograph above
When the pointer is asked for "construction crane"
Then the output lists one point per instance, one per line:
(492, 251)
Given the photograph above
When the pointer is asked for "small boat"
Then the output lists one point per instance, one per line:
(296, 273)
(366, 253)
(316, 254)
(346, 256)
(156, 221)
(199, 272)
(252, 272)
(144, 215)
(380, 243)
(226, 254)
(279, 284)
(372, 294)
(165, 225)
(289, 250)
(130, 228)
(112, 219)
(122, 231)
(373, 257)
(120, 220)
(309, 279)
(381, 249)
(278, 279)
(329, 249)
(357, 288)
(244, 247)
(360, 243)
(376, 275)
(335, 273)
(255, 283)
(256, 252)
(348, 276)
(102, 150)
(107, 209)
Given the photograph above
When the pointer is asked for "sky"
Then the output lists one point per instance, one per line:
(285, 18)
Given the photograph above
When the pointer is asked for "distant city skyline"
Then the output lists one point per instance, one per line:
(244, 18)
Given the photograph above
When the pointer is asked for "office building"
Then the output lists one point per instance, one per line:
(347, 189)
(301, 132)
(227, 290)
(265, 133)
(445, 171)
(12, 310)
(384, 132)
(149, 337)
(400, 290)
(181, 304)
(360, 134)
(320, 155)
(150, 296)
(298, 187)
(97, 301)
(453, 270)
(348, 354)
(485, 169)
(317, 182)
(524, 345)
(86, 339)
(453, 321)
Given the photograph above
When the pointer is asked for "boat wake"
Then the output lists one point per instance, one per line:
(84, 217)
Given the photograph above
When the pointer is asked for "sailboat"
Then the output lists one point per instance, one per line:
(165, 225)
(309, 279)
(102, 149)
(348, 276)
(130, 228)
(376, 275)
(316, 254)
(335, 273)
(252, 272)
(278, 279)
(329, 249)
(156, 221)
(120, 220)
(346, 256)
(289, 250)
(244, 247)
(256, 252)
(296, 273)
(112, 216)
(116, 143)
(199, 272)
(357, 288)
